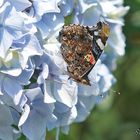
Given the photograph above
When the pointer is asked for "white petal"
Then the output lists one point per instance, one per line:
(48, 95)
(24, 115)
(6, 40)
(66, 93)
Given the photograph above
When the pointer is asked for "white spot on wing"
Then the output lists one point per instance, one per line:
(100, 44)
(96, 33)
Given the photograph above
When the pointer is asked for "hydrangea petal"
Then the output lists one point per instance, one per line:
(31, 48)
(14, 27)
(44, 74)
(5, 123)
(1, 2)
(46, 6)
(5, 117)
(40, 115)
(94, 88)
(9, 133)
(11, 64)
(66, 118)
(1, 81)
(83, 6)
(117, 40)
(24, 77)
(12, 23)
(84, 17)
(3, 12)
(14, 90)
(50, 23)
(5, 42)
(29, 128)
(66, 93)
(105, 76)
(36, 97)
(20, 5)
(48, 95)
(53, 56)
(24, 115)
(113, 14)
(66, 6)
(84, 106)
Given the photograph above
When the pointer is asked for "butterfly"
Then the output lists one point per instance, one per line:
(81, 47)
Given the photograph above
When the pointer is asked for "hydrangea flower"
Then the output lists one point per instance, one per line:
(68, 95)
(35, 90)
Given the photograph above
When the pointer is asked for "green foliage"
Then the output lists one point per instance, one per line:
(68, 19)
(22, 138)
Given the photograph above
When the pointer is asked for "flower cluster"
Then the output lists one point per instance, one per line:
(35, 90)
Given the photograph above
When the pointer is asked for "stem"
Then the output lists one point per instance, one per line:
(57, 133)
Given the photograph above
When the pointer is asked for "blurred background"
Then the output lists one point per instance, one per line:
(118, 117)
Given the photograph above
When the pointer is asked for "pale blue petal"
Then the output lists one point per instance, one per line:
(34, 94)
(117, 40)
(66, 118)
(14, 90)
(5, 117)
(12, 23)
(35, 126)
(39, 116)
(20, 5)
(24, 77)
(30, 47)
(15, 27)
(4, 11)
(48, 95)
(43, 75)
(11, 64)
(22, 102)
(6, 132)
(36, 97)
(53, 58)
(24, 115)
(66, 7)
(85, 5)
(5, 42)
(5, 123)
(61, 108)
(1, 2)
(113, 13)
(84, 106)
(45, 6)
(106, 80)
(6, 99)
(1, 81)
(89, 90)
(85, 18)
(66, 93)
(15, 115)
(50, 23)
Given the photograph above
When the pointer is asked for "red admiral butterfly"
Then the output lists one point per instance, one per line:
(81, 46)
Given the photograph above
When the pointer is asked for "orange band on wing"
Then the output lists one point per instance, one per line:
(92, 59)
